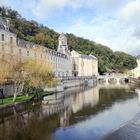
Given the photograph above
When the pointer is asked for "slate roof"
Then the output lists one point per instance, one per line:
(93, 56)
(88, 56)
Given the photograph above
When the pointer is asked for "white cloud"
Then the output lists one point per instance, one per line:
(130, 16)
(131, 11)
(43, 8)
(5, 2)
(50, 7)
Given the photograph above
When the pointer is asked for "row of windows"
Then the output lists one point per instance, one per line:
(61, 74)
(3, 38)
(11, 48)
(53, 60)
(61, 66)
(49, 58)
(50, 51)
(28, 53)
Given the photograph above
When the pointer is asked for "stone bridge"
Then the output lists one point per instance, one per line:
(113, 79)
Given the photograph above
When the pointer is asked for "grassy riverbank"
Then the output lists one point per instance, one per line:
(9, 100)
(23, 98)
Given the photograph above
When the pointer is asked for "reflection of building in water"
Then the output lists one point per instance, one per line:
(138, 92)
(87, 98)
(64, 117)
(65, 103)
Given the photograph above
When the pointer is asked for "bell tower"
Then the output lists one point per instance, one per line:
(62, 45)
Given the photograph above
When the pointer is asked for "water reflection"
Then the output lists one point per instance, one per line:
(78, 114)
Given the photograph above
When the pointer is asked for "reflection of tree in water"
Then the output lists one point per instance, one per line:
(10, 129)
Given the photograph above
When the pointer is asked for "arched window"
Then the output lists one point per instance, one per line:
(19, 51)
(27, 53)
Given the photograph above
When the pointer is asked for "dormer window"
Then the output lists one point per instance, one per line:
(19, 51)
(27, 53)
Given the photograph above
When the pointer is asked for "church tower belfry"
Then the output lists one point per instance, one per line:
(62, 45)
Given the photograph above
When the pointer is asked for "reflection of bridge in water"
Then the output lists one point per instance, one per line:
(113, 79)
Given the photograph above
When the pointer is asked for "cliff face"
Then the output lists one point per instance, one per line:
(42, 35)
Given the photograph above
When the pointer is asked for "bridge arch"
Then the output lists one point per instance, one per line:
(111, 79)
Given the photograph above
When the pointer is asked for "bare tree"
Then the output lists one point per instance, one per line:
(17, 71)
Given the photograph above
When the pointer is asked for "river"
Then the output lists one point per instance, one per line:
(83, 113)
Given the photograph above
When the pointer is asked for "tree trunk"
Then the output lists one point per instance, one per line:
(15, 93)
(22, 87)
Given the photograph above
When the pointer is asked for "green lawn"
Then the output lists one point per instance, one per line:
(9, 100)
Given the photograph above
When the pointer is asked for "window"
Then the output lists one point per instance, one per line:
(58, 74)
(2, 47)
(27, 53)
(19, 51)
(35, 55)
(11, 39)
(2, 37)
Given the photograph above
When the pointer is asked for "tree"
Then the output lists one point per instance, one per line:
(40, 38)
(37, 73)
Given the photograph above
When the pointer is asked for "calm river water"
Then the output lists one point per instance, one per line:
(77, 114)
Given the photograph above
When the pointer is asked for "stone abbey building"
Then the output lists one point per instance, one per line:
(63, 62)
(136, 71)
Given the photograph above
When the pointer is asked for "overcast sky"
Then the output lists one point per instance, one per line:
(115, 23)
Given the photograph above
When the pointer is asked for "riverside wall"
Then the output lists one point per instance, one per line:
(63, 83)
(70, 82)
